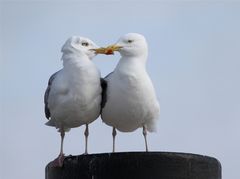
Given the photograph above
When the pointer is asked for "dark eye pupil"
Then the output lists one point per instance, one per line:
(84, 44)
(130, 41)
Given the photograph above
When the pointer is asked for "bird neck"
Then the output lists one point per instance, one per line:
(134, 60)
(131, 64)
(75, 59)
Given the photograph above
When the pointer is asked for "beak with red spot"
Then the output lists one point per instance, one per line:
(109, 50)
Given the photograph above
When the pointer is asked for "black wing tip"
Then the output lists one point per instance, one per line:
(104, 86)
(47, 111)
(104, 95)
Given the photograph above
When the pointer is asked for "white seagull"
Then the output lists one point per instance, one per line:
(129, 95)
(73, 96)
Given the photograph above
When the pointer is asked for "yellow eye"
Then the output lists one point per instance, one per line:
(85, 44)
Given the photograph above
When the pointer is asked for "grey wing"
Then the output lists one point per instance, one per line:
(46, 95)
(104, 90)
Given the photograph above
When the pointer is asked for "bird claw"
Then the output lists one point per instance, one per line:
(58, 162)
(85, 153)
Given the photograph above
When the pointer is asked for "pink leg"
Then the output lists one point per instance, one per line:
(58, 162)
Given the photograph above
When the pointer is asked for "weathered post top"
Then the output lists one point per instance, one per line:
(137, 165)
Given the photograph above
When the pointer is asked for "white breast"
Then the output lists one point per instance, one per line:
(75, 96)
(131, 100)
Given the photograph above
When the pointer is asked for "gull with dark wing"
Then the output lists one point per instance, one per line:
(73, 96)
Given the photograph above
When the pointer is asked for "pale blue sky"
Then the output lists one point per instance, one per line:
(194, 61)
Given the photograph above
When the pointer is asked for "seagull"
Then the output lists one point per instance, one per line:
(129, 98)
(74, 94)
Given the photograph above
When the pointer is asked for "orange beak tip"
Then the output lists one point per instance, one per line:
(109, 52)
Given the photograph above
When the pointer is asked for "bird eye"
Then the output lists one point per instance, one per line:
(85, 44)
(130, 41)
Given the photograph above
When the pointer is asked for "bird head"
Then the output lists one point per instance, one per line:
(131, 44)
(81, 45)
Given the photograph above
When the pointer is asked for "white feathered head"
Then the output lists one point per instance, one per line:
(81, 45)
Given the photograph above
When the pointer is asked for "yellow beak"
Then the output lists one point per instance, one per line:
(109, 50)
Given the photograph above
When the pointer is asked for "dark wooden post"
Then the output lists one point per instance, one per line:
(137, 165)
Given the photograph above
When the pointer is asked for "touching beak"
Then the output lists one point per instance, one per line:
(109, 50)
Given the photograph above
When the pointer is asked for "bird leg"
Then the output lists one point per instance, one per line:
(62, 133)
(114, 133)
(86, 133)
(145, 137)
(58, 162)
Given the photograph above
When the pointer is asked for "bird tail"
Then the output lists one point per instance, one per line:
(152, 126)
(51, 123)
